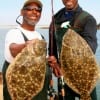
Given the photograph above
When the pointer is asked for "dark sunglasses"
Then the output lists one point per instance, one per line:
(31, 8)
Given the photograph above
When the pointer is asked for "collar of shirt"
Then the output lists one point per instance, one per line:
(69, 15)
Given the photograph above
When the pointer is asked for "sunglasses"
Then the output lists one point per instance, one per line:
(31, 8)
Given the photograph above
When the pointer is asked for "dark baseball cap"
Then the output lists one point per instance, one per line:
(27, 2)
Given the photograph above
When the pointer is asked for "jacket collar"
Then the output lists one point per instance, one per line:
(60, 15)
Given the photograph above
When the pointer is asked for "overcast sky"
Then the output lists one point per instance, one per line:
(10, 9)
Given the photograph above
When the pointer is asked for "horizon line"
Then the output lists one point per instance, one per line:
(12, 26)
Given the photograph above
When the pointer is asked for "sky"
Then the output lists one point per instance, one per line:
(10, 9)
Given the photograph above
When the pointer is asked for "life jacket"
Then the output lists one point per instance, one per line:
(78, 26)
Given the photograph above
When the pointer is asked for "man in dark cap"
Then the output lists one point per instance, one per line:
(17, 38)
(83, 23)
(27, 2)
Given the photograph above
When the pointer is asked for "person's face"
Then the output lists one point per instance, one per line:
(31, 14)
(70, 4)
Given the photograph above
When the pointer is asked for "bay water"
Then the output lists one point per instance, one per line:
(44, 32)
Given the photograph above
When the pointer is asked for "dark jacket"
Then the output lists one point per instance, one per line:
(88, 32)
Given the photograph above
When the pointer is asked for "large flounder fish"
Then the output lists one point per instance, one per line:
(78, 64)
(26, 74)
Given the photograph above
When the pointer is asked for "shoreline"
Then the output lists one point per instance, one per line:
(13, 26)
(37, 26)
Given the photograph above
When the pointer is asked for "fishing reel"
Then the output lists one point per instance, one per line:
(61, 82)
(51, 92)
(61, 85)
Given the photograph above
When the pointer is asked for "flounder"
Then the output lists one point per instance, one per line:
(78, 64)
(26, 74)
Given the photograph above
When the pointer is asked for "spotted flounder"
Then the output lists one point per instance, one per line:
(26, 74)
(78, 64)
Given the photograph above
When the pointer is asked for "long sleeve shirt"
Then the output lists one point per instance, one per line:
(88, 33)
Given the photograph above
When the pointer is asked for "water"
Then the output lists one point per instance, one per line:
(44, 32)
(3, 32)
(2, 37)
(98, 49)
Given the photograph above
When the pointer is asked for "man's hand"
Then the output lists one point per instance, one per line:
(52, 61)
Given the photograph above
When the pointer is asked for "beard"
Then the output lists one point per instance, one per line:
(30, 22)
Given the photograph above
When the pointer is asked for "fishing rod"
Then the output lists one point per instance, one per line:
(52, 92)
